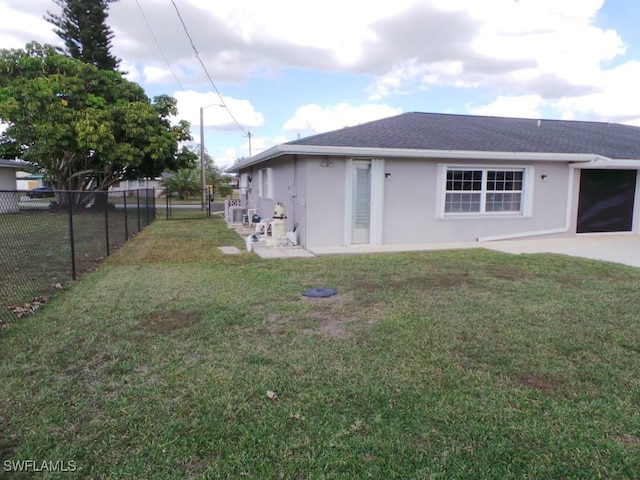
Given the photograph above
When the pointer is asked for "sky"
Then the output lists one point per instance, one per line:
(272, 71)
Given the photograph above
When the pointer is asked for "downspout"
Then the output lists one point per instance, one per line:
(294, 194)
(552, 231)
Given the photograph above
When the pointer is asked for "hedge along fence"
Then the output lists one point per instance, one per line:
(48, 240)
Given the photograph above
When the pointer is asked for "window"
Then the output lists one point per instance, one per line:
(484, 191)
(265, 183)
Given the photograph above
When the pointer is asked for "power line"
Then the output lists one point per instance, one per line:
(158, 45)
(195, 50)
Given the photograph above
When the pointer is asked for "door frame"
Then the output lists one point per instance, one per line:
(377, 199)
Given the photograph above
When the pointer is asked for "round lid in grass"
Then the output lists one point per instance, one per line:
(320, 292)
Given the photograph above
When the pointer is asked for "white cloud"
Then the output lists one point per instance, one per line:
(17, 18)
(616, 100)
(514, 45)
(215, 115)
(539, 55)
(225, 157)
(312, 118)
(524, 106)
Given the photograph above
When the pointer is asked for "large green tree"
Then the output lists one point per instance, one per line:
(88, 128)
(82, 25)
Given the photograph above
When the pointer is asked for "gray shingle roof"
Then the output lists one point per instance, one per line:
(433, 131)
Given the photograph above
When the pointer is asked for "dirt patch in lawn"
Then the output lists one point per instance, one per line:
(167, 322)
(508, 272)
(536, 382)
(434, 281)
(331, 316)
(629, 440)
(7, 445)
(329, 325)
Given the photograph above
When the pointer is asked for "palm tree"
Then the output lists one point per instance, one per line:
(185, 183)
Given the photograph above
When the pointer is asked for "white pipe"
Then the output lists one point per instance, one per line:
(510, 236)
(535, 233)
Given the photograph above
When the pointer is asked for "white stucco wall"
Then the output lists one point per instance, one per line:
(411, 214)
(288, 185)
(410, 199)
(8, 201)
(313, 190)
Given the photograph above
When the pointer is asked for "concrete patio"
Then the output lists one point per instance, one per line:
(621, 248)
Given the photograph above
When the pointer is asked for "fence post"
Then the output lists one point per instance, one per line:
(153, 196)
(106, 220)
(168, 205)
(146, 206)
(138, 209)
(72, 242)
(126, 217)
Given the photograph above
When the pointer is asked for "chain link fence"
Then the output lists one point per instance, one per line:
(51, 237)
(181, 207)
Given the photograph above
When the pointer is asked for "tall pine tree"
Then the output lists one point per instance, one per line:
(82, 25)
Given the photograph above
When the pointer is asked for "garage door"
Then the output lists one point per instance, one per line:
(606, 200)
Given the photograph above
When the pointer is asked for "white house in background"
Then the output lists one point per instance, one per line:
(125, 185)
(28, 181)
(9, 199)
(422, 177)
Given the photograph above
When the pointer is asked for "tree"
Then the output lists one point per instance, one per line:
(185, 183)
(83, 28)
(88, 128)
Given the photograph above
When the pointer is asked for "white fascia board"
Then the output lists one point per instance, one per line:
(602, 163)
(413, 153)
(14, 164)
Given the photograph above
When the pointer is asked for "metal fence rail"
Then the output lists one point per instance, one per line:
(49, 238)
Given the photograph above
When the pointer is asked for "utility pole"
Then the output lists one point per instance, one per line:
(203, 175)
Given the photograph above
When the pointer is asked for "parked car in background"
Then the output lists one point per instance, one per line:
(41, 192)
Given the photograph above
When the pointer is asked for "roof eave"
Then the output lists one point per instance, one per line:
(615, 163)
(286, 149)
(13, 164)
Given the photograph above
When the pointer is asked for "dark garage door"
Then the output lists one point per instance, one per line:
(606, 200)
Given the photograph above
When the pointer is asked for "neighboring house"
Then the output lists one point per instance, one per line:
(421, 178)
(126, 185)
(29, 181)
(9, 200)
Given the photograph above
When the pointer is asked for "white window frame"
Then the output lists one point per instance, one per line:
(526, 194)
(265, 185)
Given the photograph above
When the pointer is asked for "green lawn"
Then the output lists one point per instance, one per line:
(35, 252)
(467, 364)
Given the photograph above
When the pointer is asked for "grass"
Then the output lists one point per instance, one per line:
(35, 252)
(465, 364)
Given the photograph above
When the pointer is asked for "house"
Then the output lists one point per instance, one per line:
(423, 177)
(29, 181)
(8, 197)
(143, 183)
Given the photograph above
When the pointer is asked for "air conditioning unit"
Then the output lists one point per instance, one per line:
(237, 214)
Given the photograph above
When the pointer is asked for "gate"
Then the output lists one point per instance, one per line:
(190, 208)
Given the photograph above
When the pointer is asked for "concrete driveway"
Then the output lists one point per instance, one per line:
(619, 248)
